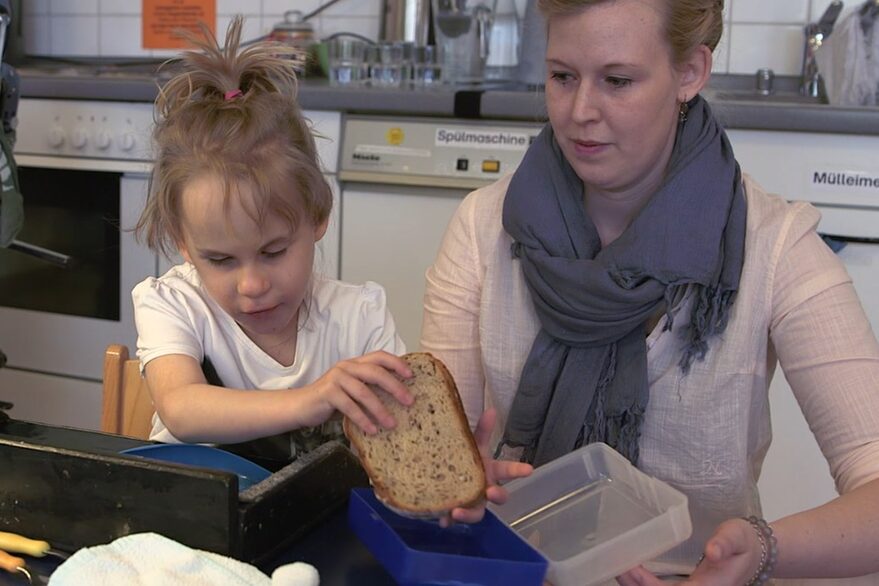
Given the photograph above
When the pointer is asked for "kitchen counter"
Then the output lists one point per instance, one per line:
(730, 95)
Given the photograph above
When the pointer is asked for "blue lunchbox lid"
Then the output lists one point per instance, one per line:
(203, 456)
(416, 551)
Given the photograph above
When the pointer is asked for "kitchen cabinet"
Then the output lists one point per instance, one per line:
(391, 234)
(52, 399)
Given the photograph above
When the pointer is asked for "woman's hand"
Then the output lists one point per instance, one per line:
(732, 556)
(344, 388)
(495, 471)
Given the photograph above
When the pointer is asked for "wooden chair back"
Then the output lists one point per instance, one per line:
(127, 406)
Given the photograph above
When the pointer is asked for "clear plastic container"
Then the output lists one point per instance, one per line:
(594, 516)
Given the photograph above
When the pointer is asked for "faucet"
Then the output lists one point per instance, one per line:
(816, 33)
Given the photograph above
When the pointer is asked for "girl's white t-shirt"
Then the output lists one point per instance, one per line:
(175, 315)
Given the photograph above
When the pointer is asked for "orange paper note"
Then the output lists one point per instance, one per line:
(162, 19)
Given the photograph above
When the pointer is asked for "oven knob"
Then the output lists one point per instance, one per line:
(56, 136)
(127, 142)
(102, 140)
(79, 138)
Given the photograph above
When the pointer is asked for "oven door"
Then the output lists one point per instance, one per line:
(58, 320)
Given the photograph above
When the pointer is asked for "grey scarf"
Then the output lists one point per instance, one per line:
(585, 379)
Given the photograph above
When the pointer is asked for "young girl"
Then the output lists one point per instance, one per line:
(242, 341)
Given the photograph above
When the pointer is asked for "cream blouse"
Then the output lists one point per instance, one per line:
(705, 433)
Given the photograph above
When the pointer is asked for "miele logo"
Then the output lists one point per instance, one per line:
(845, 179)
(365, 157)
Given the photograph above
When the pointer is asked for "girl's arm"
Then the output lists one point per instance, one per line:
(194, 411)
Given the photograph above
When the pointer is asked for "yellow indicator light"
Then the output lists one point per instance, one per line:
(491, 166)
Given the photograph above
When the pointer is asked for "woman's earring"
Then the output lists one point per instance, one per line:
(682, 113)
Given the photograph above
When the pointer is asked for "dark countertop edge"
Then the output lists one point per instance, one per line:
(814, 119)
(743, 115)
(494, 104)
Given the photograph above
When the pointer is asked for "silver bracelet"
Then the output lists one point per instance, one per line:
(768, 551)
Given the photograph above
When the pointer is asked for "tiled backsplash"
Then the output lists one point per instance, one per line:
(758, 33)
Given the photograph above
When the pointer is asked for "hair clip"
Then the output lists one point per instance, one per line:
(232, 94)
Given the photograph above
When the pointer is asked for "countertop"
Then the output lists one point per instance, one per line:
(731, 96)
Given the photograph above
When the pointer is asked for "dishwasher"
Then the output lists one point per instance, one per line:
(401, 181)
(839, 175)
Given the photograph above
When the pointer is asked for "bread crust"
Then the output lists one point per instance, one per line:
(381, 481)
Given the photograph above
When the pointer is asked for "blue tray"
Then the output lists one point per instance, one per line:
(413, 551)
(204, 457)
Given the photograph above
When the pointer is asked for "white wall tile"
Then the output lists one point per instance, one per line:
(250, 29)
(233, 7)
(34, 7)
(354, 8)
(758, 33)
(368, 26)
(770, 11)
(721, 54)
(73, 7)
(112, 7)
(277, 10)
(163, 53)
(121, 36)
(35, 30)
(777, 47)
(74, 35)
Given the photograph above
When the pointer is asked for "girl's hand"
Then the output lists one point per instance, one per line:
(495, 471)
(732, 557)
(344, 388)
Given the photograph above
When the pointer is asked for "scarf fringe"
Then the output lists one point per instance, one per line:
(621, 432)
(609, 370)
(709, 317)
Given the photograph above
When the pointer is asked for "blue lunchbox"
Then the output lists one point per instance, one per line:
(416, 551)
(203, 456)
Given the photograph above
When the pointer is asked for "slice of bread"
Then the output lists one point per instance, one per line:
(429, 463)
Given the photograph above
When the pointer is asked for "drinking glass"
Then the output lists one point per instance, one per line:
(387, 70)
(345, 59)
(427, 68)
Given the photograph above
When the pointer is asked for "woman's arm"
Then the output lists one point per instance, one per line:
(830, 357)
(450, 330)
(450, 326)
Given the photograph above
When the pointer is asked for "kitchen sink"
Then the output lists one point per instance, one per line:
(751, 95)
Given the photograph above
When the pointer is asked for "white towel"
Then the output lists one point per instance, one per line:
(849, 62)
(150, 559)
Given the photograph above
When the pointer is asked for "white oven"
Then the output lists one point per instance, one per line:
(83, 169)
(84, 166)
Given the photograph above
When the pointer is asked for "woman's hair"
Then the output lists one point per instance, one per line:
(689, 23)
(233, 115)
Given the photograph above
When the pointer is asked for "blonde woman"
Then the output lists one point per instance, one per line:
(628, 284)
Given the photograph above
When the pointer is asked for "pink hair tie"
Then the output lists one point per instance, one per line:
(232, 94)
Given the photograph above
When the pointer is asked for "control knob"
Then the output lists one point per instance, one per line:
(102, 140)
(127, 142)
(79, 138)
(56, 136)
